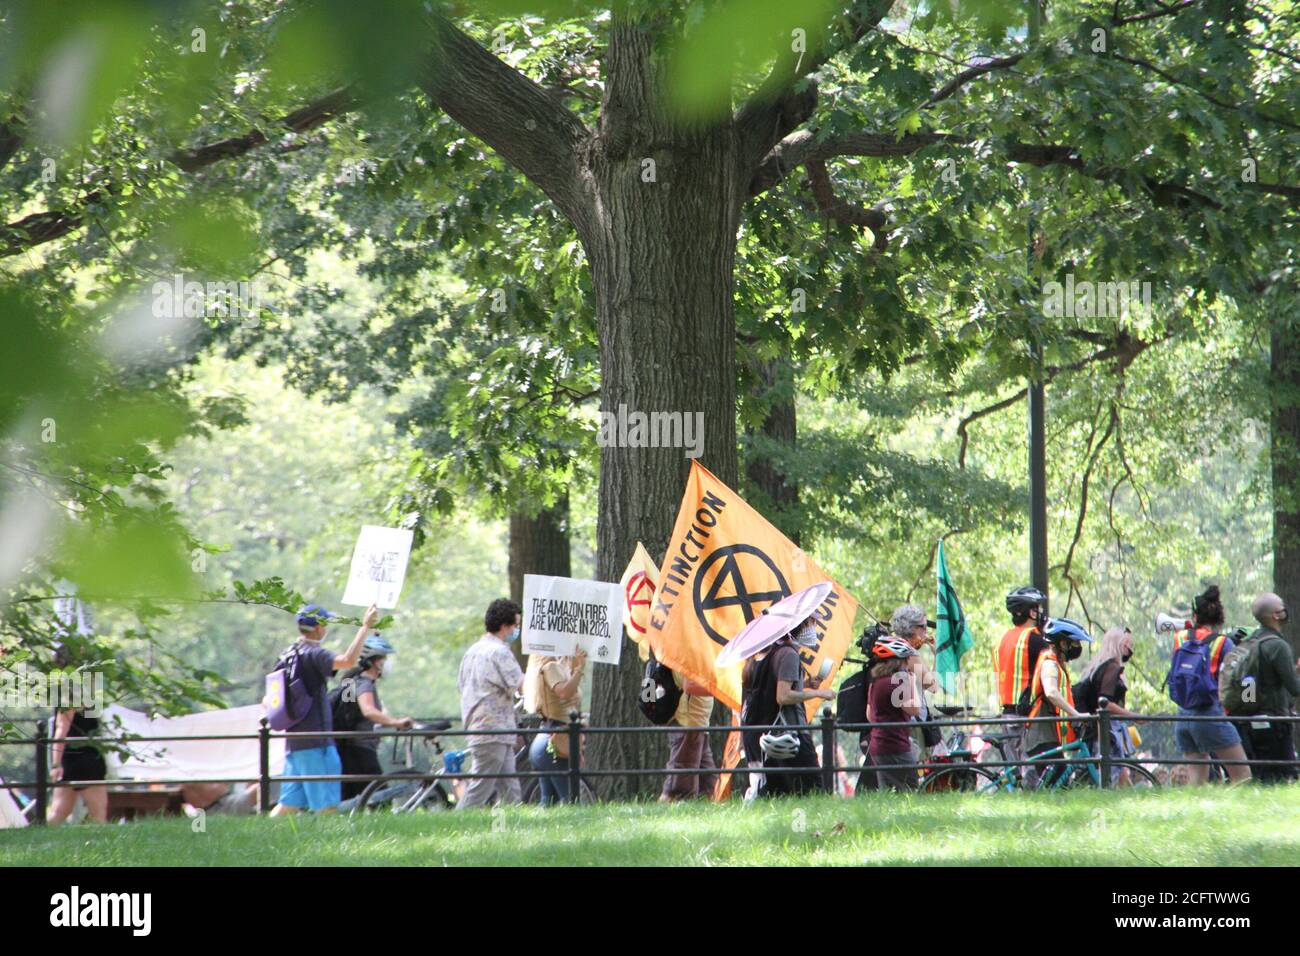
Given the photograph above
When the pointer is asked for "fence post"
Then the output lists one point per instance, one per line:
(1103, 742)
(42, 774)
(575, 756)
(264, 768)
(828, 749)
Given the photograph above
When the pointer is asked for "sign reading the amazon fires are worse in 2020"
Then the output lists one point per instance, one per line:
(563, 614)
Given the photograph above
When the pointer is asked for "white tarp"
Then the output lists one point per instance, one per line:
(10, 814)
(191, 759)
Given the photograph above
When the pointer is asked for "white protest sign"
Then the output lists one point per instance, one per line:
(378, 566)
(563, 614)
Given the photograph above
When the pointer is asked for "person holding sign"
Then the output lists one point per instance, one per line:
(317, 756)
(489, 678)
(553, 688)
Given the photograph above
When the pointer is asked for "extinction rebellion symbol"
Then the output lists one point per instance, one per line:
(747, 579)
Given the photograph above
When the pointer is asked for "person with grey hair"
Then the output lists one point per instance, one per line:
(910, 624)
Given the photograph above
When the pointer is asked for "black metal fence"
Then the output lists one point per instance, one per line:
(828, 728)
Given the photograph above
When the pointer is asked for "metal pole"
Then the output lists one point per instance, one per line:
(1037, 401)
(1037, 478)
(42, 774)
(264, 768)
(1103, 742)
(575, 757)
(828, 749)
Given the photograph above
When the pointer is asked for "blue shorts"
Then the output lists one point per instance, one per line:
(317, 795)
(1204, 736)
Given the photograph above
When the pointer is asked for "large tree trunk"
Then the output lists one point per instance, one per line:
(661, 255)
(778, 492)
(539, 544)
(1285, 461)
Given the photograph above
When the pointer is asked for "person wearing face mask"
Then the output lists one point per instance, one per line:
(1104, 675)
(773, 691)
(355, 706)
(1052, 694)
(1267, 662)
(489, 678)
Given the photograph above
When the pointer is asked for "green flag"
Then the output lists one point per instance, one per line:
(952, 638)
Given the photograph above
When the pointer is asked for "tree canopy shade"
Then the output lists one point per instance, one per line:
(842, 189)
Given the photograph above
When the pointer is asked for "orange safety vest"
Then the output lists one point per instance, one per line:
(1011, 662)
(1216, 646)
(1064, 731)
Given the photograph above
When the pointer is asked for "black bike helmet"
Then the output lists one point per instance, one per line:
(1023, 600)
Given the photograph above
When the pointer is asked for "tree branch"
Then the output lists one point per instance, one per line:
(42, 227)
(1162, 12)
(514, 116)
(1168, 77)
(964, 77)
(774, 109)
(831, 206)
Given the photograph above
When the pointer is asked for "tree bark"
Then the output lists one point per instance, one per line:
(661, 252)
(778, 493)
(1284, 454)
(539, 544)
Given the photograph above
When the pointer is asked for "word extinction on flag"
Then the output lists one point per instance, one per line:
(626, 429)
(75, 909)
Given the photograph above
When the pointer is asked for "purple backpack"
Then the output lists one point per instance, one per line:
(288, 699)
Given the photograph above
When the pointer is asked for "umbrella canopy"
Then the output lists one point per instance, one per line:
(774, 623)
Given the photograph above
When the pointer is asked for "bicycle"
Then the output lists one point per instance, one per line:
(402, 791)
(962, 748)
(1064, 776)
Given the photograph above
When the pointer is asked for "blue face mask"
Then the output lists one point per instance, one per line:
(513, 635)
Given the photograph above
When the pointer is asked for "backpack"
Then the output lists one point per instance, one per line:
(1239, 671)
(1189, 680)
(1085, 694)
(1026, 702)
(851, 702)
(660, 694)
(288, 698)
(344, 706)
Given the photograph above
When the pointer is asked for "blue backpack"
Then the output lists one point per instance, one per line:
(1189, 680)
(288, 696)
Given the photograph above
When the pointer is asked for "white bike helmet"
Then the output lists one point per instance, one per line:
(779, 746)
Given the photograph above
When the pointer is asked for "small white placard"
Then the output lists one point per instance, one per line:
(378, 566)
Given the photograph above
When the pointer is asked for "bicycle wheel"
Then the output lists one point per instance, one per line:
(432, 796)
(1139, 776)
(963, 779)
(386, 793)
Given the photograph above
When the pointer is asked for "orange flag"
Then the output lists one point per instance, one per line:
(638, 596)
(731, 757)
(724, 565)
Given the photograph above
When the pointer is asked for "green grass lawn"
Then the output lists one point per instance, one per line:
(1211, 826)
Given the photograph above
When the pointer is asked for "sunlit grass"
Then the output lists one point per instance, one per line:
(1206, 827)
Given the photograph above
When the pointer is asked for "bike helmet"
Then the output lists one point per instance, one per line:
(376, 646)
(1023, 600)
(1063, 629)
(782, 746)
(890, 647)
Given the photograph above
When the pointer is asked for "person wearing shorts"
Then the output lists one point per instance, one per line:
(317, 756)
(1198, 739)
